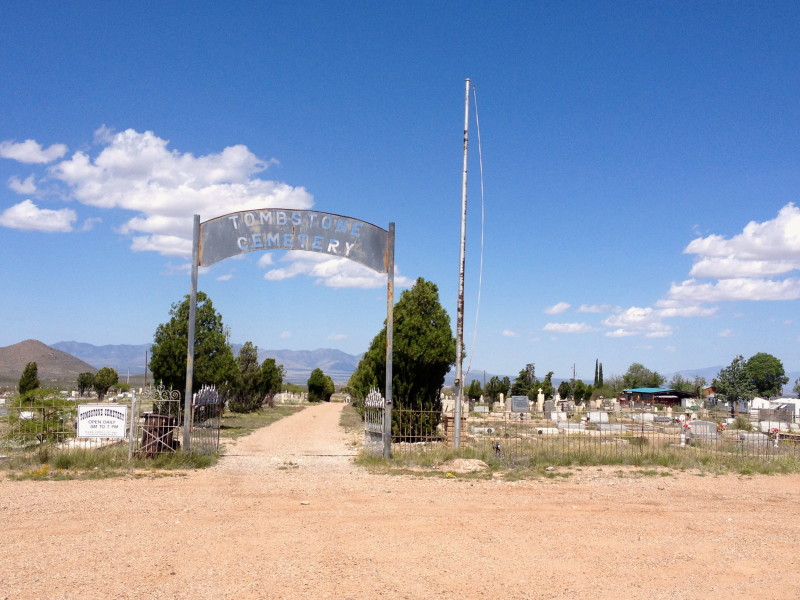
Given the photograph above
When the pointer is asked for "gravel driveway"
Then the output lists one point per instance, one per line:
(286, 514)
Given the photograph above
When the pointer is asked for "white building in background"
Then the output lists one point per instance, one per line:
(758, 403)
(794, 402)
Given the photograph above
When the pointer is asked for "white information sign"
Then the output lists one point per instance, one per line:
(102, 420)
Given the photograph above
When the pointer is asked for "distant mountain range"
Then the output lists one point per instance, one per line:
(64, 360)
(298, 364)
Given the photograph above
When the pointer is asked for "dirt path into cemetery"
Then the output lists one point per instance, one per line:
(285, 514)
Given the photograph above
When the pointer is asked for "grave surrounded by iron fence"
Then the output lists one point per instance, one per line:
(600, 435)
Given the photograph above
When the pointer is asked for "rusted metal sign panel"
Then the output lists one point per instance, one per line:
(282, 229)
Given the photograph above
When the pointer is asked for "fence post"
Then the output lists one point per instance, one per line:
(132, 428)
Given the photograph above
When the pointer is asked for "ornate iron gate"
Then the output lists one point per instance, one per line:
(207, 405)
(157, 419)
(374, 411)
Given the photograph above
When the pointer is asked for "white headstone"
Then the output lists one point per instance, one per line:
(597, 417)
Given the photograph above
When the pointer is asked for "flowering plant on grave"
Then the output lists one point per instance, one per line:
(720, 427)
(687, 426)
(774, 432)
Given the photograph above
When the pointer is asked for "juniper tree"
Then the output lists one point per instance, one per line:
(104, 379)
(734, 385)
(213, 359)
(84, 382)
(424, 349)
(29, 380)
(474, 391)
(766, 374)
(243, 388)
(320, 387)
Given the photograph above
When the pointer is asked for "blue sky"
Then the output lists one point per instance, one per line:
(641, 169)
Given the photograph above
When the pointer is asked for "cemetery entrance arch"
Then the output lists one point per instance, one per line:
(287, 229)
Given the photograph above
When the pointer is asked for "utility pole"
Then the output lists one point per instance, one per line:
(462, 259)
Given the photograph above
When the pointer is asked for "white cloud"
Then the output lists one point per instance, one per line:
(265, 260)
(696, 291)
(749, 266)
(725, 333)
(731, 266)
(568, 327)
(26, 186)
(638, 321)
(332, 271)
(89, 224)
(673, 309)
(31, 152)
(509, 333)
(226, 277)
(777, 239)
(597, 308)
(161, 189)
(285, 335)
(337, 337)
(557, 309)
(29, 217)
(137, 172)
(166, 245)
(103, 135)
(621, 333)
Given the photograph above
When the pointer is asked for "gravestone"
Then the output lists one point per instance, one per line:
(540, 401)
(646, 417)
(768, 426)
(597, 417)
(611, 427)
(520, 404)
(706, 430)
(571, 426)
(476, 430)
(552, 413)
(480, 408)
(749, 437)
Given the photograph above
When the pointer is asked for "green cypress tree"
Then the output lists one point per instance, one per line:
(424, 349)
(214, 363)
(30, 378)
(600, 376)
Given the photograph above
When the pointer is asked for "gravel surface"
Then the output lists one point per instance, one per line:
(286, 514)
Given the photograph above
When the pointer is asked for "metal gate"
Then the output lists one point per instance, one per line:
(374, 411)
(157, 419)
(207, 405)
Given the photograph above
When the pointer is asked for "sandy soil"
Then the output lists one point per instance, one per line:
(286, 514)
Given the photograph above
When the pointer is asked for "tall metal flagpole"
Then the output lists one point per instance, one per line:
(459, 381)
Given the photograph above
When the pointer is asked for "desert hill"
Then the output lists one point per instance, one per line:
(53, 364)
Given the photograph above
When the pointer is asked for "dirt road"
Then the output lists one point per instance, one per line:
(285, 514)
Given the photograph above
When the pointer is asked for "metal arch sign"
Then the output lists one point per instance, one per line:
(283, 229)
